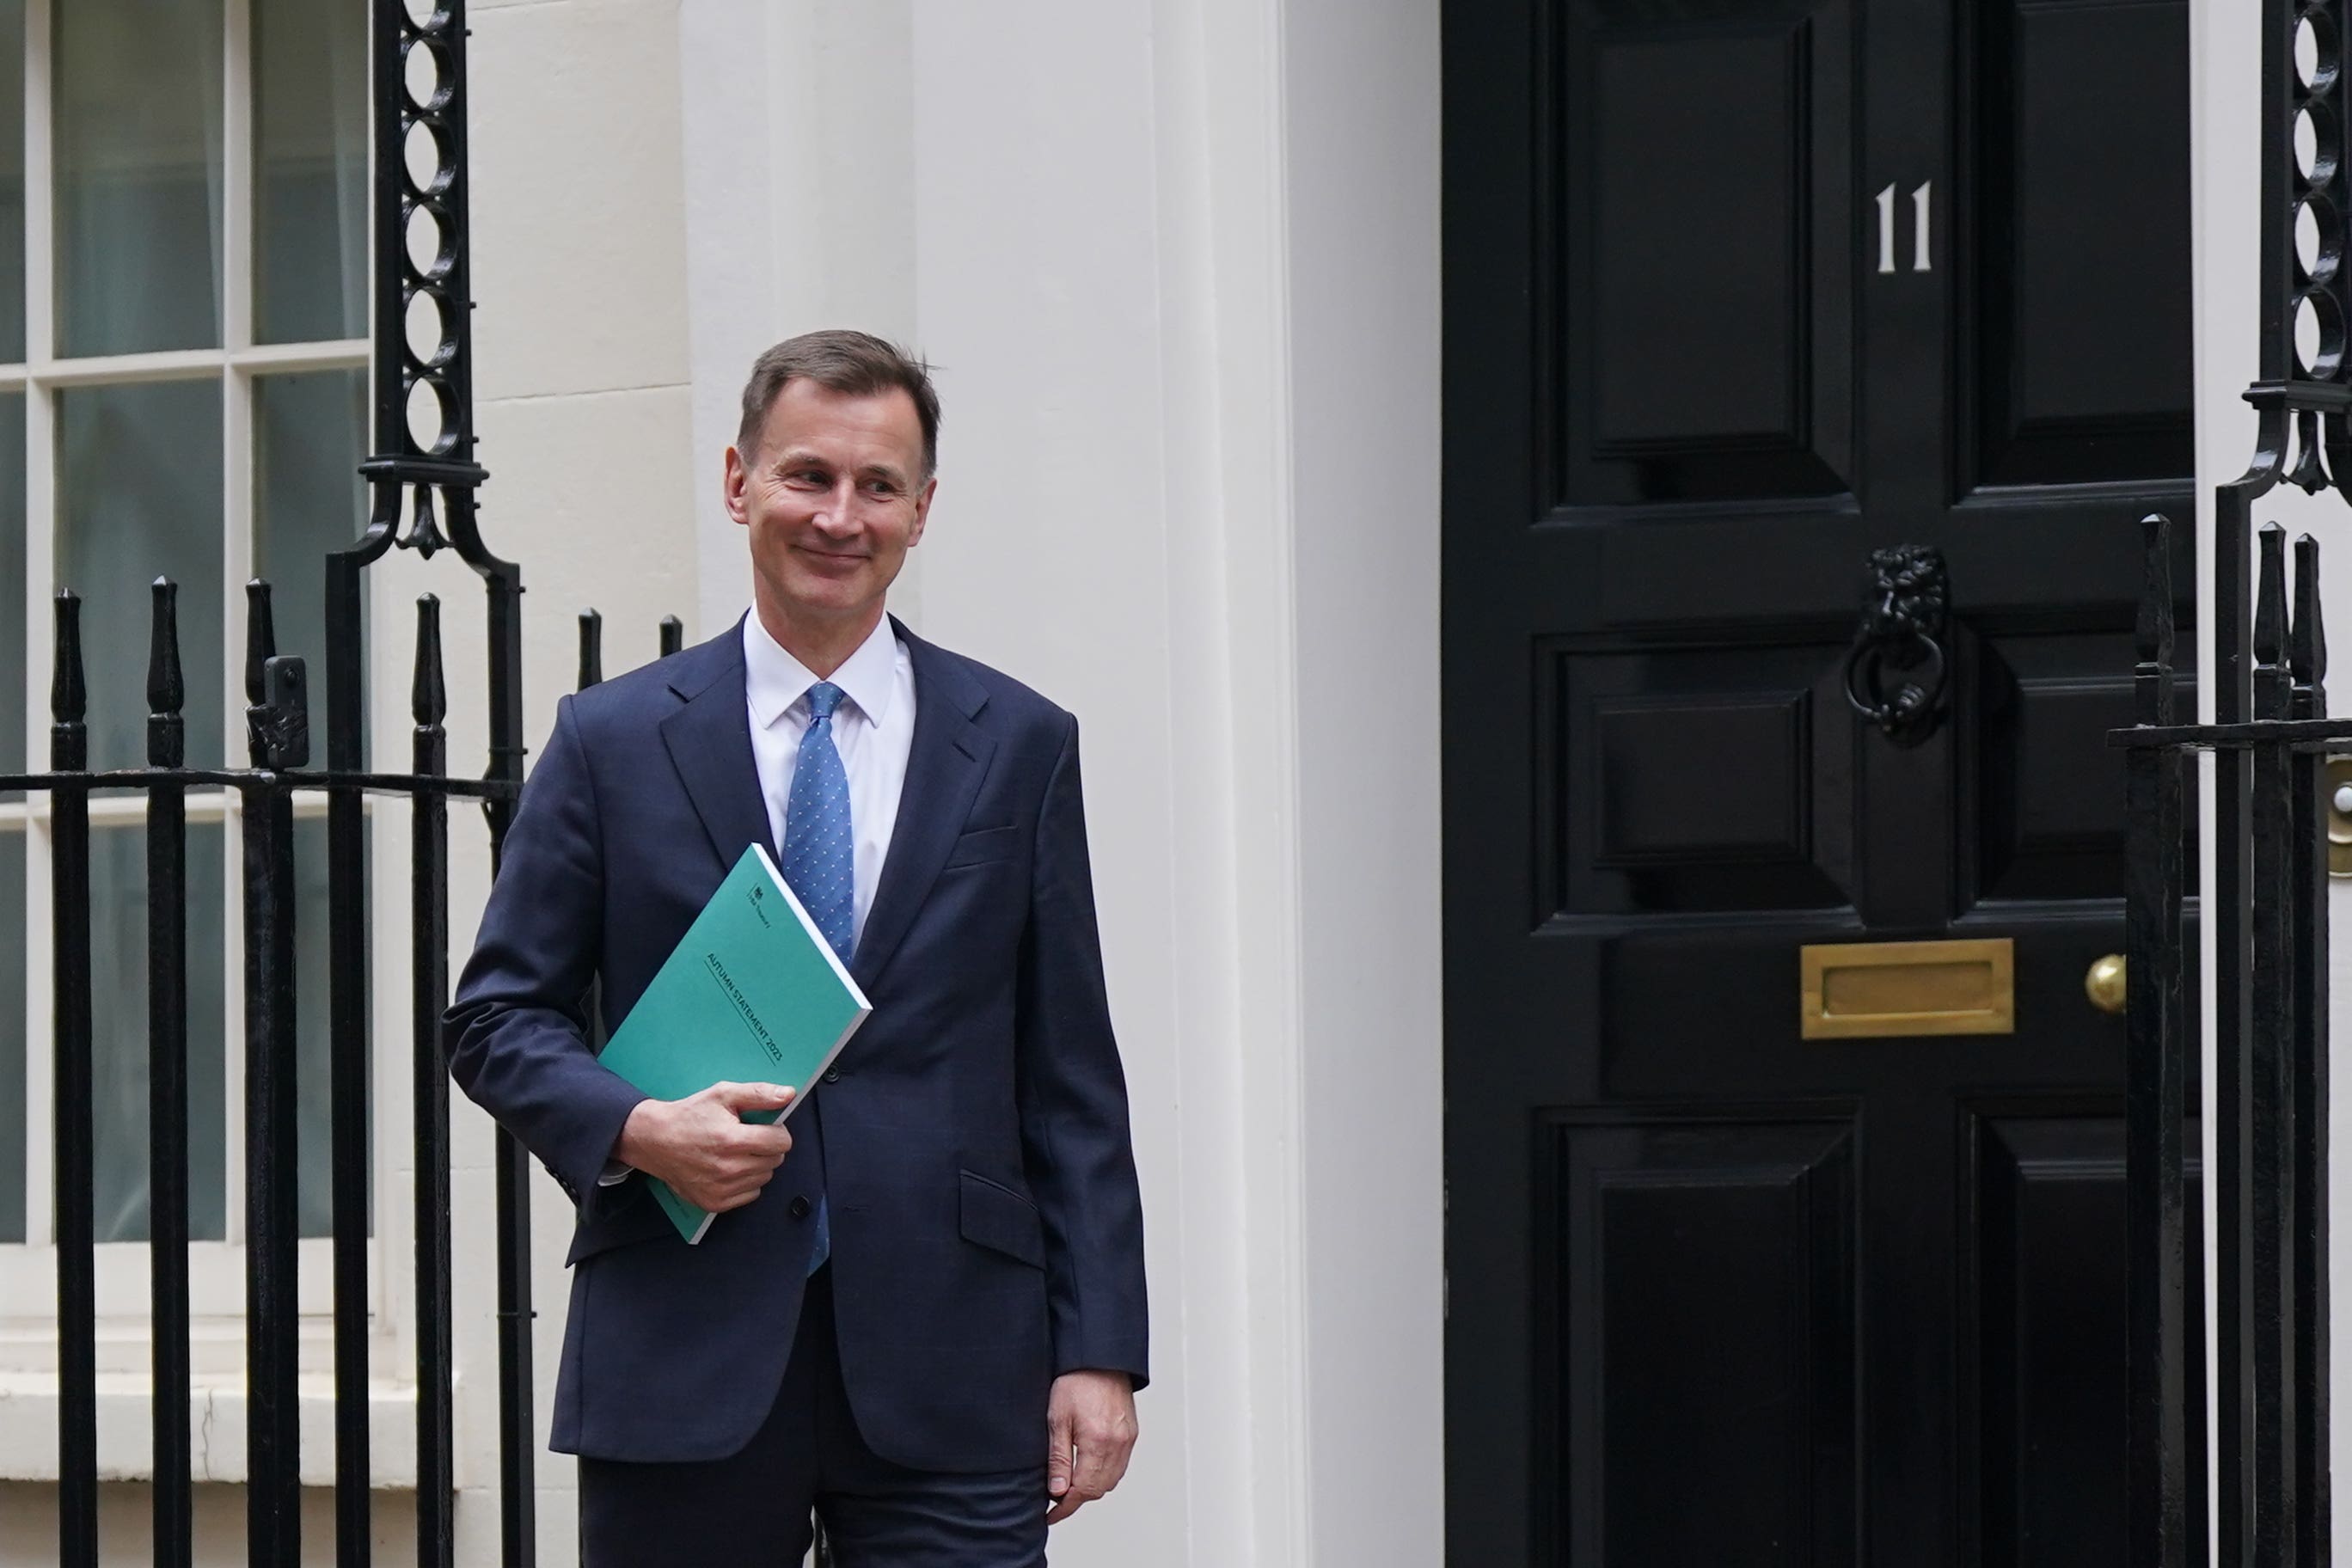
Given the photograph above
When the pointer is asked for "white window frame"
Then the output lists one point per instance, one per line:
(217, 1268)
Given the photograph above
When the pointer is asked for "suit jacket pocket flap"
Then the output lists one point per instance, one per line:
(614, 1216)
(981, 846)
(996, 1216)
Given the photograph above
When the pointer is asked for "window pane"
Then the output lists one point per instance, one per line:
(138, 475)
(12, 180)
(11, 1035)
(311, 169)
(308, 431)
(139, 129)
(117, 963)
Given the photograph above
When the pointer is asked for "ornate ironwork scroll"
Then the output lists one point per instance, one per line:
(424, 474)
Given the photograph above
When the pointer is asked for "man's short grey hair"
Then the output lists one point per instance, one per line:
(854, 364)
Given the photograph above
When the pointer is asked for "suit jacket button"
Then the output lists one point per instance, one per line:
(800, 1208)
(833, 1075)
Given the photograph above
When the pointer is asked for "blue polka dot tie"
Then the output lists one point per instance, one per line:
(819, 857)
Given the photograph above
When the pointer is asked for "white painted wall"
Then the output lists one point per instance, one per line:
(1363, 141)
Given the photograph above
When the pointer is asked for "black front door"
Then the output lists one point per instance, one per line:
(1738, 292)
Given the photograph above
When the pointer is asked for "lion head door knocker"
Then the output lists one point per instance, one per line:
(1898, 672)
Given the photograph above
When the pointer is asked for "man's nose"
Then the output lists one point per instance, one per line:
(838, 511)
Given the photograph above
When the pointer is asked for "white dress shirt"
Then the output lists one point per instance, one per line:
(873, 730)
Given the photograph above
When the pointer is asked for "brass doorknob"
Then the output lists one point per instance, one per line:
(2103, 983)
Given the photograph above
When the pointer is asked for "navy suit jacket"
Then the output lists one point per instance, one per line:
(987, 1230)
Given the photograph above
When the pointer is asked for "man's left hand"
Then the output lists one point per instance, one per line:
(1092, 1415)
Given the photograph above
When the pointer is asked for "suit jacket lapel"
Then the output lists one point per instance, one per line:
(947, 758)
(709, 742)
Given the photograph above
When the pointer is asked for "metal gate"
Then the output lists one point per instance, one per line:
(2268, 912)
(423, 483)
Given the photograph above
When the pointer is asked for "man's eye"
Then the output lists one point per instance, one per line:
(805, 477)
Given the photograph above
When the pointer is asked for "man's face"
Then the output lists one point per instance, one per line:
(833, 497)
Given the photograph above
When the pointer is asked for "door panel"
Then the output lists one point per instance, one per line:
(1688, 136)
(2049, 1202)
(2050, 782)
(1706, 1269)
(1643, 811)
(2080, 260)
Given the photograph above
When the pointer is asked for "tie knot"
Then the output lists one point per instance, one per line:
(824, 698)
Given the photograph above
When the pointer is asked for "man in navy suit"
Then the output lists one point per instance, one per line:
(920, 1310)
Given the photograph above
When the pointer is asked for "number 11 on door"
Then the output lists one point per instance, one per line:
(1922, 201)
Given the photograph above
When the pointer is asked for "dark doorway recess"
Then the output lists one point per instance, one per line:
(1737, 293)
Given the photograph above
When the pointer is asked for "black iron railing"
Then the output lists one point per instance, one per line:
(276, 732)
(2270, 1103)
(2268, 912)
(2269, 1107)
(423, 481)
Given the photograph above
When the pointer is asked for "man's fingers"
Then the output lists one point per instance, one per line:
(1061, 1484)
(740, 1098)
(732, 1196)
(766, 1144)
(1057, 1453)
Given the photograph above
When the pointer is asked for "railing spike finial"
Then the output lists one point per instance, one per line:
(2270, 598)
(673, 635)
(260, 640)
(2153, 638)
(167, 692)
(69, 696)
(591, 650)
(2308, 641)
(429, 698)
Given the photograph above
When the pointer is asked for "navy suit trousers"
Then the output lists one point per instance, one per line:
(752, 1510)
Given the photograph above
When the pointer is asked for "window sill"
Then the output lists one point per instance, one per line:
(216, 1431)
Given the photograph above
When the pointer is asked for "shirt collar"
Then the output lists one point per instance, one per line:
(773, 679)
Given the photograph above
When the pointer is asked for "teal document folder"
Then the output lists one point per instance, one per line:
(751, 993)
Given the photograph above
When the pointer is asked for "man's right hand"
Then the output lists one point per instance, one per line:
(701, 1146)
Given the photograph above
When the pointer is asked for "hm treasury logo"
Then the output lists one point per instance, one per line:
(759, 895)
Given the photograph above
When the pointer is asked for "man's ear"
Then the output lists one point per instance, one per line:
(922, 511)
(737, 475)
